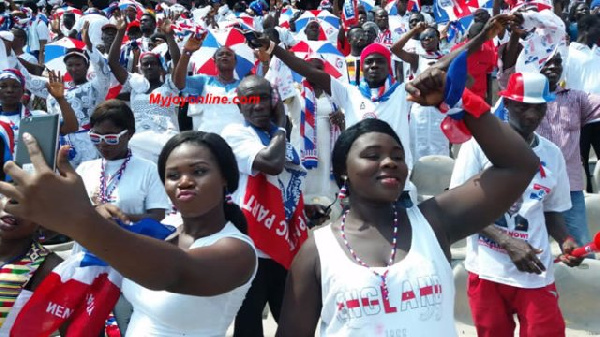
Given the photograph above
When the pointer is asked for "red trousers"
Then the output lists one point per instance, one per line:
(494, 304)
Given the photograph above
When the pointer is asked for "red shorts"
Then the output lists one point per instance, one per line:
(494, 304)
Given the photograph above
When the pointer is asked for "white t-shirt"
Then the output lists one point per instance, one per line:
(394, 111)
(28, 57)
(37, 31)
(212, 117)
(524, 220)
(97, 21)
(138, 190)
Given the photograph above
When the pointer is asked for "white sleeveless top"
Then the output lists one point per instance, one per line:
(421, 289)
(165, 314)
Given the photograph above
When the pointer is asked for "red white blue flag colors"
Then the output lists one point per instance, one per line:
(450, 10)
(55, 52)
(8, 139)
(83, 290)
(350, 13)
(203, 62)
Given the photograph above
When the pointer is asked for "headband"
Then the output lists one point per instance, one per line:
(158, 57)
(376, 48)
(76, 52)
(13, 74)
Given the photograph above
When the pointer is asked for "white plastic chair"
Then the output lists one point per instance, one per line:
(431, 175)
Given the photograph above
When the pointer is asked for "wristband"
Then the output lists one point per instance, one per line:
(271, 47)
(188, 53)
(282, 129)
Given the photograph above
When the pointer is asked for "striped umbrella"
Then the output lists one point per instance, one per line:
(55, 52)
(202, 60)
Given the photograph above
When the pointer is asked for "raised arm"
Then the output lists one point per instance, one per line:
(298, 65)
(117, 69)
(271, 159)
(166, 28)
(398, 47)
(180, 74)
(205, 271)
(56, 88)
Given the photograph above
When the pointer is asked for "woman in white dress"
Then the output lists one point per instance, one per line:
(192, 285)
(155, 123)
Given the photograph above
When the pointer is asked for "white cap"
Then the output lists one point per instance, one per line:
(7, 35)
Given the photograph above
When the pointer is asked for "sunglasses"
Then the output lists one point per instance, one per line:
(109, 139)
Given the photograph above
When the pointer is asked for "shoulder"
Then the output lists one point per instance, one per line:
(88, 165)
(236, 130)
(549, 148)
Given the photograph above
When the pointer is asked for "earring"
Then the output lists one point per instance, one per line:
(344, 190)
(40, 234)
(228, 198)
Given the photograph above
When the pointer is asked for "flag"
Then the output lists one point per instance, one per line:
(350, 13)
(83, 290)
(275, 215)
(8, 139)
(450, 10)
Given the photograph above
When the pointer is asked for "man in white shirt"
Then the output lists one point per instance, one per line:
(39, 34)
(95, 16)
(509, 262)
(581, 70)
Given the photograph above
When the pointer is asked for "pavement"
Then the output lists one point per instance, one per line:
(463, 330)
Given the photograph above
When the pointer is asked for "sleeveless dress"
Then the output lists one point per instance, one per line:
(421, 289)
(165, 314)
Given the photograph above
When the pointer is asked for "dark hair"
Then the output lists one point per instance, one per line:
(475, 29)
(349, 136)
(588, 22)
(100, 4)
(117, 112)
(573, 10)
(152, 17)
(31, 5)
(272, 34)
(225, 159)
(20, 33)
(353, 28)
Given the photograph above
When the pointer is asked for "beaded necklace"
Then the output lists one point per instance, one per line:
(105, 195)
(384, 288)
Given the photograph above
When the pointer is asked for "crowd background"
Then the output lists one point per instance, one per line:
(322, 70)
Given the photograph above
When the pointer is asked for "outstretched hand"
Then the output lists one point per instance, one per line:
(55, 85)
(85, 35)
(498, 23)
(57, 201)
(567, 248)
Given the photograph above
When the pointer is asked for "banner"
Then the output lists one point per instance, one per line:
(275, 215)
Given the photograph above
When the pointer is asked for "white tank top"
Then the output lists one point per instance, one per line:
(165, 314)
(421, 289)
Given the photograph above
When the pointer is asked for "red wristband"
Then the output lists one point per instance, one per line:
(473, 104)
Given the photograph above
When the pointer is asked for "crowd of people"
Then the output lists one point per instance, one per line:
(293, 188)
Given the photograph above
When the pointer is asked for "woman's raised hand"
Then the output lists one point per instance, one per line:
(58, 201)
(55, 85)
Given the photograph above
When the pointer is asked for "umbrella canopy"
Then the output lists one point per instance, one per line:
(202, 60)
(123, 4)
(325, 51)
(55, 52)
(330, 24)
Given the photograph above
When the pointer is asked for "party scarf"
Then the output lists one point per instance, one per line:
(82, 290)
(380, 94)
(308, 127)
(273, 206)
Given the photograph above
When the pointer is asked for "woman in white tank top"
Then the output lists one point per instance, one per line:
(190, 286)
(383, 270)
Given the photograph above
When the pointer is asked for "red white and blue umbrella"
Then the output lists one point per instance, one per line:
(202, 60)
(324, 18)
(123, 4)
(55, 52)
(285, 17)
(323, 50)
(68, 9)
(368, 5)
